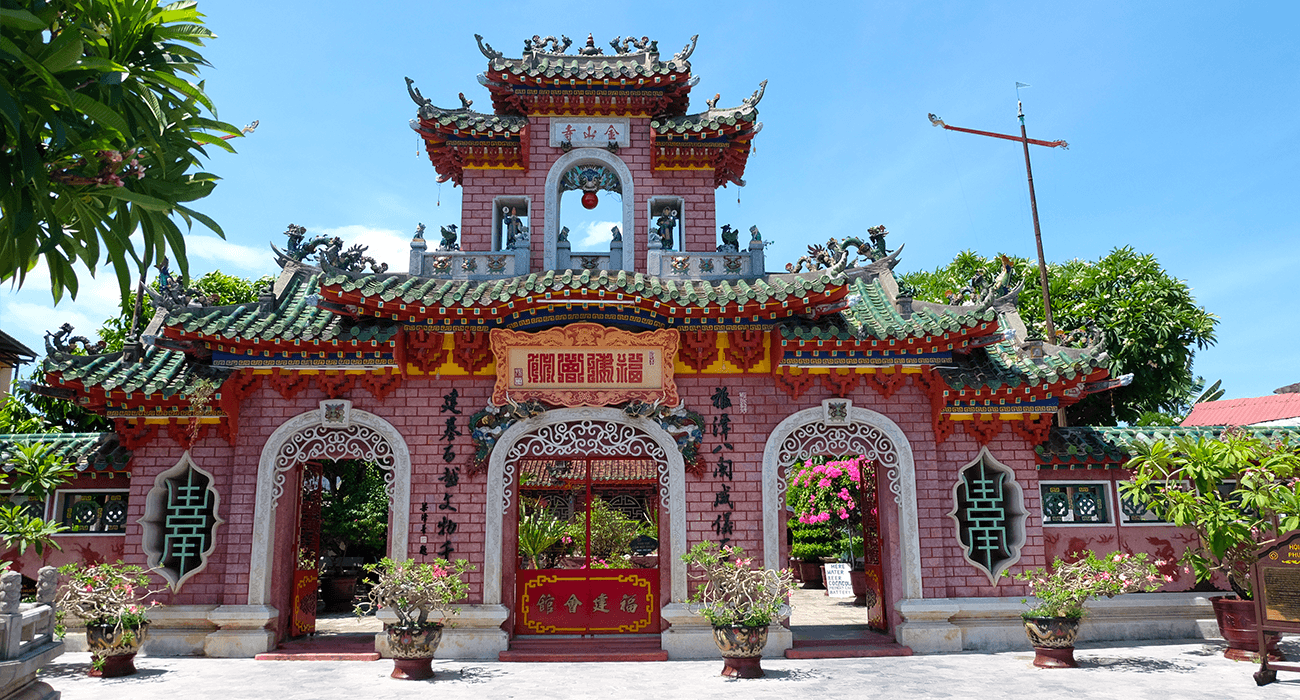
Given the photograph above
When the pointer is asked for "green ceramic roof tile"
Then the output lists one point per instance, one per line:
(578, 67)
(398, 287)
(100, 452)
(1004, 364)
(160, 371)
(712, 120)
(1112, 445)
(464, 120)
(872, 314)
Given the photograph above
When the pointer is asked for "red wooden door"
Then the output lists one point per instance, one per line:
(306, 578)
(591, 581)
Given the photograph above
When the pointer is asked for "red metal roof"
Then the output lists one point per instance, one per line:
(1251, 411)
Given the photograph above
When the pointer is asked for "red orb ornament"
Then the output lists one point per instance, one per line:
(590, 200)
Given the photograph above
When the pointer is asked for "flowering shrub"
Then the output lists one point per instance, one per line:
(820, 490)
(413, 590)
(1063, 591)
(104, 594)
(731, 594)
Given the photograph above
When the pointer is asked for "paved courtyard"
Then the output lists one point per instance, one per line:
(1158, 671)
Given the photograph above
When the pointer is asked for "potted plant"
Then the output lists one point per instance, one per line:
(1052, 622)
(1232, 491)
(414, 592)
(110, 599)
(539, 531)
(740, 602)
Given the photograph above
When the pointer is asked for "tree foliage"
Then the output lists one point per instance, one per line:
(1149, 320)
(101, 134)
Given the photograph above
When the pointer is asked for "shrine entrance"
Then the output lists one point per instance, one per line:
(588, 546)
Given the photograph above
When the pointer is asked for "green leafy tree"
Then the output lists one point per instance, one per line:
(35, 474)
(1149, 320)
(101, 133)
(29, 412)
(354, 511)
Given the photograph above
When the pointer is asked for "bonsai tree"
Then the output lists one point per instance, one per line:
(1232, 491)
(415, 590)
(731, 594)
(1062, 591)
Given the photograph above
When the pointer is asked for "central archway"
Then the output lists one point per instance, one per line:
(584, 431)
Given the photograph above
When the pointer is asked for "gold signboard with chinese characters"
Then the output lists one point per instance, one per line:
(585, 364)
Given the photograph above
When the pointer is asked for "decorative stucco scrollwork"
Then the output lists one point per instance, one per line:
(582, 438)
(319, 442)
(813, 439)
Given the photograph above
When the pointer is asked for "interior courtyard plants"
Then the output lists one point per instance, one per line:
(1236, 492)
(420, 595)
(739, 601)
(1052, 621)
(823, 496)
(110, 600)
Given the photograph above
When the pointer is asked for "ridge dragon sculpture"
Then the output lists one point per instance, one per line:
(837, 251)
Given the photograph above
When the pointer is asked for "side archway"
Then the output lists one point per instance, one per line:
(589, 156)
(309, 436)
(809, 433)
(583, 431)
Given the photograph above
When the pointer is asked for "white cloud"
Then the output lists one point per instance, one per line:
(595, 236)
(206, 253)
(385, 245)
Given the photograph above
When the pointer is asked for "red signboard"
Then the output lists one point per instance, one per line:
(588, 601)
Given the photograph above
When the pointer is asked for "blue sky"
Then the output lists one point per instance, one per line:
(1181, 119)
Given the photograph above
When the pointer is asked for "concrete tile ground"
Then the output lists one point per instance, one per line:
(1138, 671)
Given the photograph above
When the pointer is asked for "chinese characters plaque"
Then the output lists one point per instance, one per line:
(593, 133)
(585, 364)
(588, 601)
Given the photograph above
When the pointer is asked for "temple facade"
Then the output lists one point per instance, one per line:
(671, 377)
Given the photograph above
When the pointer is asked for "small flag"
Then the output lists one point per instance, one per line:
(1020, 85)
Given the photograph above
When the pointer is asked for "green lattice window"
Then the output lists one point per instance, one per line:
(93, 511)
(989, 514)
(1131, 513)
(1086, 503)
(181, 521)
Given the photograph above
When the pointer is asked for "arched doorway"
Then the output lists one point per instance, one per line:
(333, 431)
(838, 428)
(581, 432)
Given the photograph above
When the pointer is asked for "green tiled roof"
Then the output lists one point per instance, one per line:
(407, 289)
(1004, 364)
(466, 120)
(160, 371)
(872, 314)
(549, 66)
(95, 451)
(292, 319)
(1088, 446)
(712, 120)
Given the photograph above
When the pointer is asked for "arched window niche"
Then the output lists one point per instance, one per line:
(611, 172)
(180, 522)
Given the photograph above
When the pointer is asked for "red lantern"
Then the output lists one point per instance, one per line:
(590, 200)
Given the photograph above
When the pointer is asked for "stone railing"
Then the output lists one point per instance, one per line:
(566, 259)
(725, 263)
(27, 634)
(469, 265)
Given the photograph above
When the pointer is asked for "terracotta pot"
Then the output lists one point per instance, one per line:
(810, 572)
(338, 593)
(742, 648)
(1237, 624)
(412, 649)
(115, 647)
(1053, 640)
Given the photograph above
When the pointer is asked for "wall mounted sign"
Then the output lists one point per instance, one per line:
(585, 364)
(588, 133)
